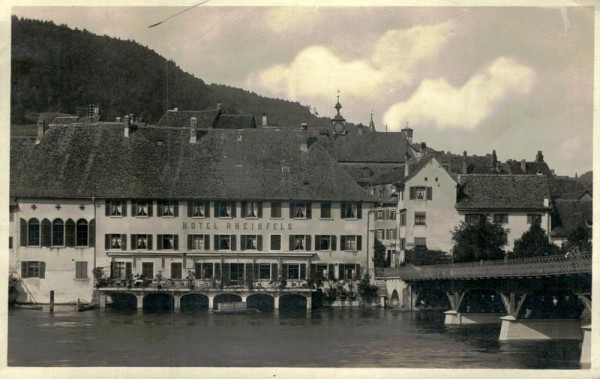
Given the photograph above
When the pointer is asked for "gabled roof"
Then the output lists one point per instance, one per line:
(181, 119)
(502, 192)
(569, 188)
(414, 168)
(570, 214)
(79, 161)
(369, 147)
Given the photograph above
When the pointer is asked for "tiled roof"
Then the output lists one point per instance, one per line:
(369, 147)
(235, 121)
(369, 174)
(531, 168)
(570, 214)
(415, 167)
(392, 176)
(155, 162)
(502, 192)
(181, 119)
(567, 188)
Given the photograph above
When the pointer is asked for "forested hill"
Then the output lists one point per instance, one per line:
(57, 69)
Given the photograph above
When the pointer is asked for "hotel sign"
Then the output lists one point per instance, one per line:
(256, 226)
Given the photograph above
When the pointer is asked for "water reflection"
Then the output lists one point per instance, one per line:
(326, 338)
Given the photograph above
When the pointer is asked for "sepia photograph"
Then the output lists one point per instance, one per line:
(312, 185)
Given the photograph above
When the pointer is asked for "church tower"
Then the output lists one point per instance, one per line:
(371, 123)
(338, 121)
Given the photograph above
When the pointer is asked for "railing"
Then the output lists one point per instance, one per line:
(551, 265)
(199, 284)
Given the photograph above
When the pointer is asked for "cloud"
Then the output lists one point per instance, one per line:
(436, 102)
(570, 146)
(317, 72)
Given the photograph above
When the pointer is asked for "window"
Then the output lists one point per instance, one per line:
(33, 269)
(225, 242)
(533, 218)
(325, 243)
(393, 214)
(351, 243)
(114, 208)
(380, 234)
(148, 270)
(251, 242)
(10, 242)
(208, 270)
(300, 210)
(300, 242)
(198, 242)
(402, 243)
(81, 270)
(167, 242)
(58, 232)
(225, 209)
(251, 209)
(70, 233)
(275, 210)
(390, 234)
(501, 218)
(141, 208)
(293, 271)
(380, 215)
(351, 210)
(141, 241)
(236, 273)
(348, 271)
(176, 269)
(326, 210)
(420, 218)
(46, 233)
(198, 209)
(275, 242)
(420, 241)
(115, 241)
(402, 218)
(421, 193)
(82, 232)
(33, 235)
(264, 271)
(168, 208)
(473, 218)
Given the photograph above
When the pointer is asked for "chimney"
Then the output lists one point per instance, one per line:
(465, 153)
(193, 129)
(304, 142)
(524, 165)
(494, 162)
(406, 164)
(408, 133)
(41, 129)
(264, 120)
(126, 126)
(539, 157)
(423, 148)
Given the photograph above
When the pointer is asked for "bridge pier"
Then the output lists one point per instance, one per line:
(539, 329)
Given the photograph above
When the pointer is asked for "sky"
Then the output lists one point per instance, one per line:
(511, 79)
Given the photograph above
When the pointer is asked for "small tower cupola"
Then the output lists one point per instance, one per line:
(371, 123)
(338, 120)
(408, 133)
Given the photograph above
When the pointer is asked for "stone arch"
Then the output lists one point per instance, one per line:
(123, 301)
(158, 302)
(261, 301)
(193, 302)
(395, 299)
(292, 302)
(226, 298)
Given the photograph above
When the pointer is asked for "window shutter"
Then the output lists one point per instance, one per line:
(216, 240)
(273, 271)
(149, 241)
(133, 241)
(309, 210)
(233, 209)
(176, 242)
(176, 208)
(302, 270)
(23, 232)
(259, 209)
(189, 245)
(308, 242)
(259, 239)
(291, 246)
(46, 232)
(159, 242)
(359, 211)
(244, 210)
(317, 242)
(159, 208)
(358, 243)
(190, 204)
(291, 209)
(411, 195)
(207, 209)
(242, 242)
(150, 204)
(233, 244)
(342, 210)
(330, 271)
(123, 241)
(333, 243)
(42, 270)
(107, 208)
(106, 241)
(124, 208)
(23, 270)
(256, 271)
(206, 242)
(342, 271)
(128, 270)
(249, 271)
(92, 232)
(313, 269)
(284, 270)
(225, 274)
(429, 193)
(342, 242)
(133, 207)
(216, 208)
(217, 272)
(358, 273)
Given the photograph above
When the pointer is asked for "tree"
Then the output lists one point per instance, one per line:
(421, 256)
(480, 241)
(379, 254)
(578, 241)
(534, 242)
(367, 291)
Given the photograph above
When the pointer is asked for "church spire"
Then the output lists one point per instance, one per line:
(338, 120)
(371, 123)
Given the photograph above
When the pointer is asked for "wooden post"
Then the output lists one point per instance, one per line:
(52, 301)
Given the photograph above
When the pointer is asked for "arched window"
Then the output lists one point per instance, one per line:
(58, 232)
(70, 233)
(46, 232)
(82, 232)
(33, 234)
(23, 232)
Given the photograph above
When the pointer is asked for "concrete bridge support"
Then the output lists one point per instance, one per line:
(586, 348)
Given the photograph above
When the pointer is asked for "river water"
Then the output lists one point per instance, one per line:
(325, 338)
